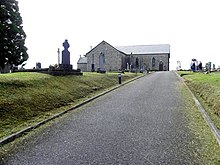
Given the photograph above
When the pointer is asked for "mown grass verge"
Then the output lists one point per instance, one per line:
(206, 87)
(205, 147)
(27, 98)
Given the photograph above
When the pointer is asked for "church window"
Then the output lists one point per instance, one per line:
(93, 59)
(137, 62)
(101, 60)
(153, 62)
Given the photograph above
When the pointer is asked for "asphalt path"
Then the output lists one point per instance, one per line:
(140, 123)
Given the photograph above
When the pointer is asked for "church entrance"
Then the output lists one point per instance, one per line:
(161, 66)
(93, 68)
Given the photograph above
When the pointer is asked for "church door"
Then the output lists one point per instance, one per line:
(93, 68)
(161, 66)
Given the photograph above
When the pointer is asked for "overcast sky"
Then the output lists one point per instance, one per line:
(191, 27)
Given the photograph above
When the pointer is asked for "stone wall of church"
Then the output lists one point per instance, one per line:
(113, 59)
(146, 62)
(82, 67)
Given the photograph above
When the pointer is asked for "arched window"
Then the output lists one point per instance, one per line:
(101, 61)
(93, 59)
(137, 62)
(153, 62)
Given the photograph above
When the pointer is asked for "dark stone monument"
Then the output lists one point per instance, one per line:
(208, 67)
(66, 53)
(38, 65)
(64, 69)
(66, 56)
(200, 66)
(213, 67)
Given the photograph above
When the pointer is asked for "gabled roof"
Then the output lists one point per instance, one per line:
(139, 49)
(145, 49)
(82, 60)
(108, 44)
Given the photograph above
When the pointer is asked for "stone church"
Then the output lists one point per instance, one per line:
(105, 57)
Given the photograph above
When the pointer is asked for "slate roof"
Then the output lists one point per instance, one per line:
(145, 49)
(82, 60)
(109, 45)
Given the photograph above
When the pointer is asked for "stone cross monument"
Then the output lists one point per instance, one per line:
(66, 53)
(65, 56)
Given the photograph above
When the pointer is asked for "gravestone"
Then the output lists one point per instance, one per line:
(200, 66)
(66, 53)
(65, 56)
(213, 67)
(209, 66)
(38, 65)
(65, 68)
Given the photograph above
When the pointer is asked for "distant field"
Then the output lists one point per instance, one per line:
(206, 87)
(26, 98)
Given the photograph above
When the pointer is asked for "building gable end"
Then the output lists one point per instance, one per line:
(104, 42)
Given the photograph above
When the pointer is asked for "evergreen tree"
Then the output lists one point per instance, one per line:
(12, 35)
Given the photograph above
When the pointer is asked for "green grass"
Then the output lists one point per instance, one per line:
(206, 88)
(205, 147)
(27, 98)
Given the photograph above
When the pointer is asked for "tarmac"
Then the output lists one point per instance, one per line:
(140, 123)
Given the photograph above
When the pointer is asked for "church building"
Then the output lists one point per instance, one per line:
(105, 57)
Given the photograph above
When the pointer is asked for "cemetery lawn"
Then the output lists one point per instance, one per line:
(28, 98)
(203, 141)
(206, 88)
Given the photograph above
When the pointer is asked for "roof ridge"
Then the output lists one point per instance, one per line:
(143, 45)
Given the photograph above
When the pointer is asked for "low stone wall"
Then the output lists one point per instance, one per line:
(65, 72)
(31, 70)
(54, 72)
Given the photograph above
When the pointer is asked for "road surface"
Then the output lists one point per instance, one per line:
(140, 123)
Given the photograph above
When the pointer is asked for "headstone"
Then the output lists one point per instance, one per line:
(38, 65)
(66, 57)
(206, 67)
(66, 53)
(213, 67)
(200, 65)
(193, 66)
(209, 66)
(196, 65)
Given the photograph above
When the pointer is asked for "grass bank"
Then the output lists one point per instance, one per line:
(27, 98)
(206, 88)
(203, 146)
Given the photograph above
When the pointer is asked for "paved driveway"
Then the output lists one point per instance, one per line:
(140, 123)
